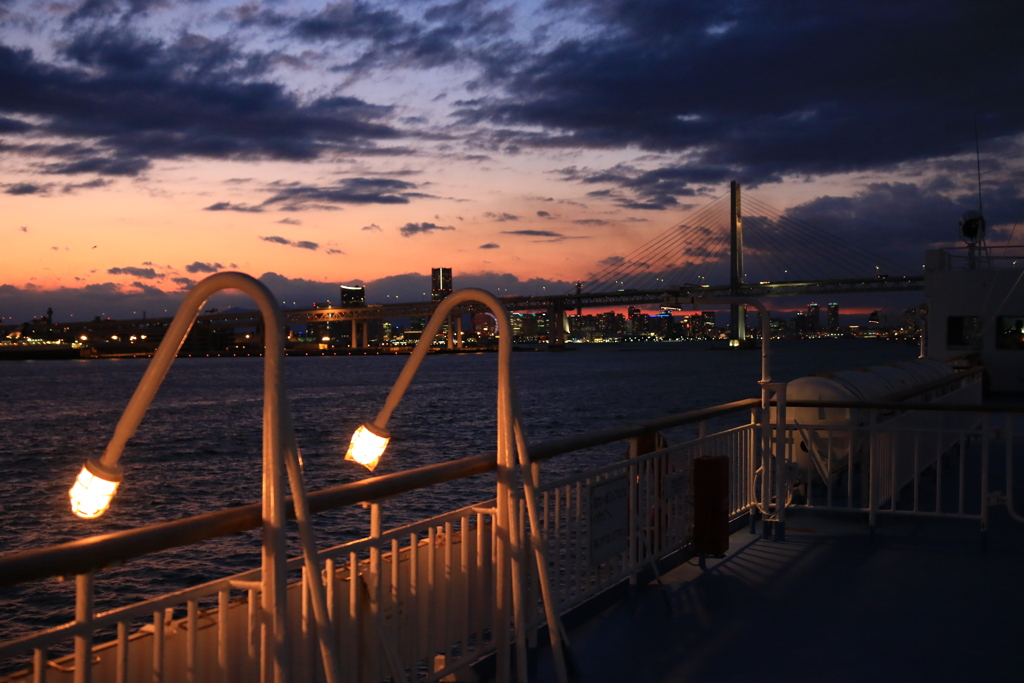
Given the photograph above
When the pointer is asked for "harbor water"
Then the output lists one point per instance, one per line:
(198, 448)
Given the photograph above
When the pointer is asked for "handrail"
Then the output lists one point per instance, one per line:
(892, 405)
(935, 384)
(96, 552)
(550, 449)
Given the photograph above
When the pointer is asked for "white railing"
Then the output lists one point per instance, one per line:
(594, 544)
(926, 460)
(415, 602)
(418, 602)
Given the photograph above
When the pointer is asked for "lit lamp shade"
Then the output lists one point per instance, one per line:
(368, 444)
(93, 489)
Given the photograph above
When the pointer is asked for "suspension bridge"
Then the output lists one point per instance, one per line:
(732, 247)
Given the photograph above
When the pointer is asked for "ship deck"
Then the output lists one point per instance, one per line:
(918, 601)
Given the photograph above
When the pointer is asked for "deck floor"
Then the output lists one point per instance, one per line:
(918, 602)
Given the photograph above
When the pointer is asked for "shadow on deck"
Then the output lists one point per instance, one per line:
(918, 602)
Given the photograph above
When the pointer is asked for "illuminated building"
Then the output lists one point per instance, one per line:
(485, 325)
(440, 283)
(708, 332)
(802, 324)
(353, 295)
(832, 318)
(637, 321)
(813, 321)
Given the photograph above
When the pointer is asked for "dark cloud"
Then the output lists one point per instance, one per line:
(543, 214)
(490, 245)
(115, 166)
(501, 217)
(139, 98)
(300, 244)
(228, 206)
(533, 233)
(184, 282)
(348, 191)
(901, 220)
(372, 227)
(145, 273)
(88, 185)
(612, 261)
(290, 221)
(13, 125)
(647, 190)
(410, 229)
(764, 90)
(110, 9)
(200, 267)
(456, 32)
(24, 188)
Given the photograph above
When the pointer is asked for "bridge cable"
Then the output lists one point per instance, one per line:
(600, 280)
(831, 243)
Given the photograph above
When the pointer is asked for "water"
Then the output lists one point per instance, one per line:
(198, 449)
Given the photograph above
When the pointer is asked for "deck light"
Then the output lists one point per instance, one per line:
(370, 440)
(368, 444)
(93, 489)
(98, 480)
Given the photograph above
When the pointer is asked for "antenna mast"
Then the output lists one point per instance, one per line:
(977, 155)
(972, 224)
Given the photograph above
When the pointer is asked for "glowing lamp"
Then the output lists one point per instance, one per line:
(368, 444)
(93, 489)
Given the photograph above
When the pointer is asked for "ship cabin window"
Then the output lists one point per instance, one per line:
(1010, 332)
(963, 331)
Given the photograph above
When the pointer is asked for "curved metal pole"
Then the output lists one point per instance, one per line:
(277, 439)
(560, 648)
(508, 548)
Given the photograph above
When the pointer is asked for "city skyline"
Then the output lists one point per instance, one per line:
(525, 145)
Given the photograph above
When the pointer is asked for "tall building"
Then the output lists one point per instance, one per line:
(802, 324)
(353, 296)
(709, 324)
(637, 321)
(832, 318)
(440, 283)
(813, 320)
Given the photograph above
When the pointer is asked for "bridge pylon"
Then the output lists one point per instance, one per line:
(738, 312)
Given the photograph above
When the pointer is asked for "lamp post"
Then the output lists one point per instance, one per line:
(371, 439)
(99, 478)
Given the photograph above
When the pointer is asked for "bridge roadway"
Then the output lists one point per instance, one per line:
(552, 304)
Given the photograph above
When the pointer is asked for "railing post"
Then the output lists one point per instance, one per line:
(781, 478)
(373, 585)
(758, 445)
(83, 615)
(872, 474)
(985, 443)
(634, 526)
(1009, 470)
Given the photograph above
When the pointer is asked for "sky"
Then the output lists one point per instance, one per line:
(145, 144)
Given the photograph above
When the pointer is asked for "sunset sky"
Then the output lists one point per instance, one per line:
(146, 143)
